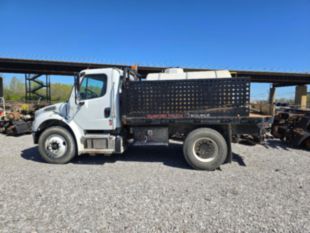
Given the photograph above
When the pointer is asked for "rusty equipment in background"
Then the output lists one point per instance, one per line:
(16, 119)
(292, 126)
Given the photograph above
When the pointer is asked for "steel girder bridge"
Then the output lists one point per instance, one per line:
(35, 68)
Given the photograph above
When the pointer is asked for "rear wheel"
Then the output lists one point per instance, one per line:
(205, 149)
(56, 145)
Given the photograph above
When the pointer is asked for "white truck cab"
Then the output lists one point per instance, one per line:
(92, 111)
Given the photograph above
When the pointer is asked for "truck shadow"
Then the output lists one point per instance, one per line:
(238, 159)
(170, 156)
(276, 144)
(269, 144)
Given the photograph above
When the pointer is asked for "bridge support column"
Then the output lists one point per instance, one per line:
(301, 96)
(272, 93)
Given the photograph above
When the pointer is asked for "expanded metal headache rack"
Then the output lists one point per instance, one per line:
(225, 97)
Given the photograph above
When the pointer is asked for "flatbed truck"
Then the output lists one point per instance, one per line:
(110, 108)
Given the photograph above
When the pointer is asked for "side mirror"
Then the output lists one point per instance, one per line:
(77, 88)
(77, 82)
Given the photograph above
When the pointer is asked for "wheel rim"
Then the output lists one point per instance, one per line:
(205, 149)
(56, 146)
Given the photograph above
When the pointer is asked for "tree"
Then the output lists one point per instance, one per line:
(15, 90)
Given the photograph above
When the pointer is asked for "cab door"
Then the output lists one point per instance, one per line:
(94, 109)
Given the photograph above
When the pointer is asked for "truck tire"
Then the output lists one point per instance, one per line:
(205, 149)
(57, 145)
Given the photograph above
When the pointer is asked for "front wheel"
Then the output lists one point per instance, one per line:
(56, 145)
(205, 149)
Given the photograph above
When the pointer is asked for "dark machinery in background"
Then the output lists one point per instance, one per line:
(16, 123)
(293, 127)
(15, 118)
(37, 88)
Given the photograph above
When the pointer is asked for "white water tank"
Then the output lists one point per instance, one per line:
(179, 74)
(174, 71)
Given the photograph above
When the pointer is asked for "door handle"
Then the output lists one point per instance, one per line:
(107, 112)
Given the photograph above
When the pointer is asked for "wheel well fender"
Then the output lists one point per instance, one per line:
(49, 123)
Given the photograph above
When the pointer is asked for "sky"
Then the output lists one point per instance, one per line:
(271, 35)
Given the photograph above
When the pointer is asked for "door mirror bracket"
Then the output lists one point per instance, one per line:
(77, 89)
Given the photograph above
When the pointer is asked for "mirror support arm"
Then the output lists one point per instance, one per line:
(77, 88)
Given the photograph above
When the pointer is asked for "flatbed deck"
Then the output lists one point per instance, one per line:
(194, 119)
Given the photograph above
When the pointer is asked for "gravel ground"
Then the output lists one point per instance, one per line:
(265, 189)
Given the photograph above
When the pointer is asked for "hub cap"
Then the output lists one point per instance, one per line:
(56, 146)
(205, 149)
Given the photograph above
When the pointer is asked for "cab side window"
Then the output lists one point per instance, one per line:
(93, 86)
